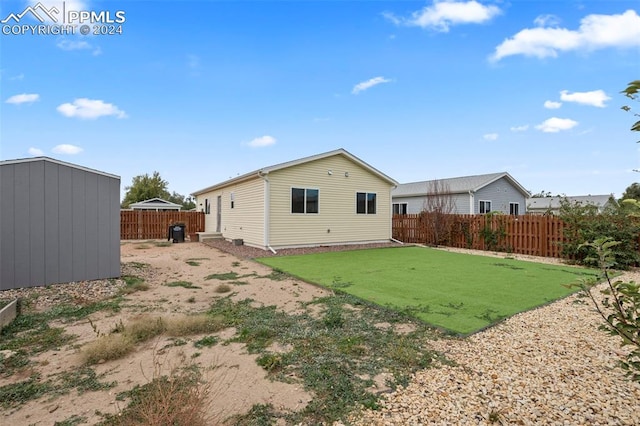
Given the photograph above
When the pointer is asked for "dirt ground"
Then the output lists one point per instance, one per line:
(237, 382)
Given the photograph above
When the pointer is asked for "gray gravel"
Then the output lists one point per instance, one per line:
(549, 366)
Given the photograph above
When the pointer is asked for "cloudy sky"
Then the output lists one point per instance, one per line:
(202, 91)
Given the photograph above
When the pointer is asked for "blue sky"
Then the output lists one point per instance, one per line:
(202, 91)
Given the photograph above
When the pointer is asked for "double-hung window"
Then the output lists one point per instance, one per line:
(485, 207)
(365, 202)
(399, 208)
(305, 200)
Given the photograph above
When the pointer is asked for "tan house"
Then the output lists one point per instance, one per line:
(326, 199)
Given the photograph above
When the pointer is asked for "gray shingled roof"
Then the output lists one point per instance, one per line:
(266, 170)
(544, 203)
(457, 185)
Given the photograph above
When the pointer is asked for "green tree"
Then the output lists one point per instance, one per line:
(187, 202)
(144, 187)
(631, 92)
(632, 192)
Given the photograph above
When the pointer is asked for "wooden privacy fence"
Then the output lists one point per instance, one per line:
(142, 225)
(527, 234)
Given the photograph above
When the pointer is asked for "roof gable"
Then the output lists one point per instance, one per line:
(54, 161)
(154, 202)
(266, 170)
(456, 185)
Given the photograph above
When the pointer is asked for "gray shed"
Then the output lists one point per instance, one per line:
(59, 222)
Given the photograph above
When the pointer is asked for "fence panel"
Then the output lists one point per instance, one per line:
(143, 225)
(527, 234)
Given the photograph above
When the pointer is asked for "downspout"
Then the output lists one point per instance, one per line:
(266, 211)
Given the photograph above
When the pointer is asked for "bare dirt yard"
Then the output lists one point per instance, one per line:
(547, 366)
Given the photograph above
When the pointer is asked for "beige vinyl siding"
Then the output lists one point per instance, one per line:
(246, 220)
(336, 221)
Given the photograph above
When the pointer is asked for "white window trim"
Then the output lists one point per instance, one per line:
(305, 200)
(366, 204)
(480, 208)
(393, 205)
(514, 204)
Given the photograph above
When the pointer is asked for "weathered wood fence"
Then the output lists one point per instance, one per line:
(527, 234)
(142, 225)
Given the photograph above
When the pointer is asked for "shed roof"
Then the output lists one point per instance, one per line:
(53, 160)
(154, 203)
(456, 185)
(266, 170)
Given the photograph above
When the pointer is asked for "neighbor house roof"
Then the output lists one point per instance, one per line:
(155, 203)
(553, 203)
(266, 170)
(52, 160)
(456, 185)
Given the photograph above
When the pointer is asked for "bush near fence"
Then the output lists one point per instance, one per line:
(527, 234)
(147, 225)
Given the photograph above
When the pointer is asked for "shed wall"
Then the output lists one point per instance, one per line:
(58, 224)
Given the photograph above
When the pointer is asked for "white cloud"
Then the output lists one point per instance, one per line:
(67, 149)
(547, 21)
(362, 86)
(490, 137)
(552, 104)
(262, 141)
(68, 45)
(555, 124)
(24, 98)
(522, 128)
(443, 14)
(595, 98)
(90, 109)
(36, 152)
(595, 32)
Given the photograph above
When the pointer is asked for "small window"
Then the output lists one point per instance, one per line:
(485, 207)
(365, 202)
(514, 209)
(233, 201)
(305, 200)
(400, 208)
(207, 206)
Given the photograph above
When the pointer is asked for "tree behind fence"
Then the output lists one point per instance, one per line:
(527, 234)
(142, 225)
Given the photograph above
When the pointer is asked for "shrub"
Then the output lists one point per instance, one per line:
(585, 223)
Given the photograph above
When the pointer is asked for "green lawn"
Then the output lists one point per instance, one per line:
(458, 292)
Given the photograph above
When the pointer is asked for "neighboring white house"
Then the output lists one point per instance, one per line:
(551, 205)
(325, 199)
(478, 194)
(155, 204)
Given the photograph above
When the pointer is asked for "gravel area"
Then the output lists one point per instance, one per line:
(549, 366)
(247, 252)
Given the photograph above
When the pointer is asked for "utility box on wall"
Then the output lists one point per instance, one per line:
(59, 222)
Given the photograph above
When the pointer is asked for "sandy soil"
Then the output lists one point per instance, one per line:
(237, 382)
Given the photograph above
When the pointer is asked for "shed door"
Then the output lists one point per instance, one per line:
(219, 213)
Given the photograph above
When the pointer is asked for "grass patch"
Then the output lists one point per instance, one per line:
(335, 354)
(223, 288)
(224, 277)
(162, 244)
(195, 261)
(458, 292)
(184, 284)
(179, 398)
(133, 284)
(125, 337)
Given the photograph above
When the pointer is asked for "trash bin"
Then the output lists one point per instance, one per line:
(176, 233)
